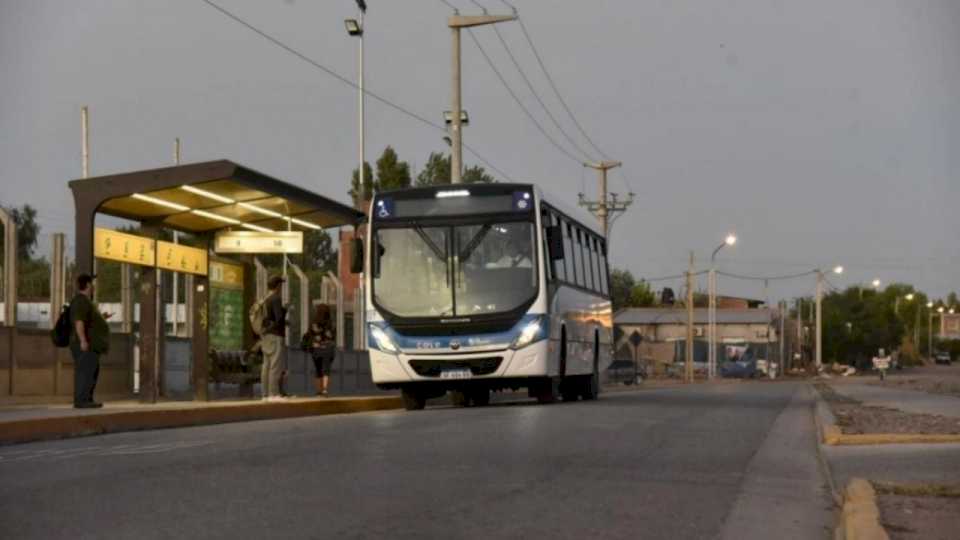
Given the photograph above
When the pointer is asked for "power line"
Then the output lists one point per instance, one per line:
(520, 103)
(767, 278)
(537, 96)
(563, 102)
(348, 82)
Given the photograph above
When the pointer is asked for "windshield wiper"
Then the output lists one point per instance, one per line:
(441, 254)
(474, 242)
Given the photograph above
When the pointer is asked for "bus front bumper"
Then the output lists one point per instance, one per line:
(530, 361)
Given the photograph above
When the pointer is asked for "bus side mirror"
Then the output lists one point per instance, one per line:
(356, 255)
(555, 242)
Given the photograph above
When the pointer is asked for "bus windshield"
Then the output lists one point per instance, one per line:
(455, 271)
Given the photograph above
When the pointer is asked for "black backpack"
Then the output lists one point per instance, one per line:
(60, 333)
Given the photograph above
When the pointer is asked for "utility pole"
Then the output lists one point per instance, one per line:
(688, 360)
(818, 358)
(800, 327)
(456, 22)
(607, 205)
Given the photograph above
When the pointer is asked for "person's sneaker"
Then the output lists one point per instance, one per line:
(88, 405)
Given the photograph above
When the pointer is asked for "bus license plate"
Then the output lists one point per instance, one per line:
(455, 374)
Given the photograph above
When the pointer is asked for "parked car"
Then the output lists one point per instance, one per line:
(942, 357)
(745, 367)
(626, 372)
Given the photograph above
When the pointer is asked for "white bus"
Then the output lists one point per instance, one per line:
(484, 287)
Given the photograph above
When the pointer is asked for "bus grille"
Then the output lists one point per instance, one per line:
(477, 366)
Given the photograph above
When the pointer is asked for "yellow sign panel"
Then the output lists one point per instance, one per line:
(180, 258)
(123, 247)
(226, 275)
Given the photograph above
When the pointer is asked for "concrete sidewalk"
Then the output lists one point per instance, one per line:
(24, 423)
(911, 401)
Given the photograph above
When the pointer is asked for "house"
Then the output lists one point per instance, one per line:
(658, 335)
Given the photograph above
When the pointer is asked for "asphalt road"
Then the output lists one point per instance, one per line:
(718, 461)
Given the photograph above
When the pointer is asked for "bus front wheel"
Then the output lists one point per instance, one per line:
(413, 400)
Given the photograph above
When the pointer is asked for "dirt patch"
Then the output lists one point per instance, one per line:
(853, 417)
(946, 387)
(910, 517)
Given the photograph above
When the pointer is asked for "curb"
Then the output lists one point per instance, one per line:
(860, 517)
(42, 429)
(831, 435)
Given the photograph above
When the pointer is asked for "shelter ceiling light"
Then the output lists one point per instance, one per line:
(217, 217)
(257, 209)
(160, 202)
(303, 223)
(208, 194)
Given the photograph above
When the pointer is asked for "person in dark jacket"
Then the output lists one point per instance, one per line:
(319, 342)
(272, 341)
(89, 339)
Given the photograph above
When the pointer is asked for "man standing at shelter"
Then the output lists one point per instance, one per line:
(90, 338)
(272, 341)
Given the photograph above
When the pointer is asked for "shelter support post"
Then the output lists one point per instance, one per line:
(151, 328)
(198, 297)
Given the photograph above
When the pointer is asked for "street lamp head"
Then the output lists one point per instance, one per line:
(838, 270)
(951, 311)
(909, 297)
(353, 27)
(876, 283)
(731, 239)
(448, 117)
(940, 309)
(448, 140)
(929, 305)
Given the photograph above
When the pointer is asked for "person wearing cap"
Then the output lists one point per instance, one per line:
(272, 342)
(90, 339)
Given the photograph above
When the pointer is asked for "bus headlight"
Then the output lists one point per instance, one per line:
(382, 339)
(534, 331)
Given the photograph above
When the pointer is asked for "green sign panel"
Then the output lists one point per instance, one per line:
(226, 319)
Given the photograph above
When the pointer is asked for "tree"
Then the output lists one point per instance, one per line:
(28, 230)
(641, 295)
(355, 192)
(318, 252)
(621, 288)
(437, 172)
(391, 172)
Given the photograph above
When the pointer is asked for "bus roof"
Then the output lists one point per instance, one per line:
(573, 212)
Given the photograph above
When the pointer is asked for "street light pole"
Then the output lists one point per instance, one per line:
(357, 28)
(456, 22)
(712, 308)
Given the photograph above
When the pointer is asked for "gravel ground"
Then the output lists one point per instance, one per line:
(916, 517)
(949, 387)
(853, 417)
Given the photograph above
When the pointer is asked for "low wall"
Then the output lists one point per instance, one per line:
(30, 365)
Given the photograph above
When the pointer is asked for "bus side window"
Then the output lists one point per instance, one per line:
(571, 257)
(545, 223)
(602, 252)
(583, 256)
(589, 261)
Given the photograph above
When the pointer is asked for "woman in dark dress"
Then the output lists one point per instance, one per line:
(319, 341)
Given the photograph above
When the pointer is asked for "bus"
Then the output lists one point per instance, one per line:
(476, 288)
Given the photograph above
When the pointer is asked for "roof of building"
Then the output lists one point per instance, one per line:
(648, 316)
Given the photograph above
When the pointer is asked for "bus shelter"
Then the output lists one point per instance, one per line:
(205, 200)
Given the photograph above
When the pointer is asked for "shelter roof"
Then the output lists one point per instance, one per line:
(204, 197)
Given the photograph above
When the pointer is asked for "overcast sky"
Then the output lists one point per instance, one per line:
(823, 132)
